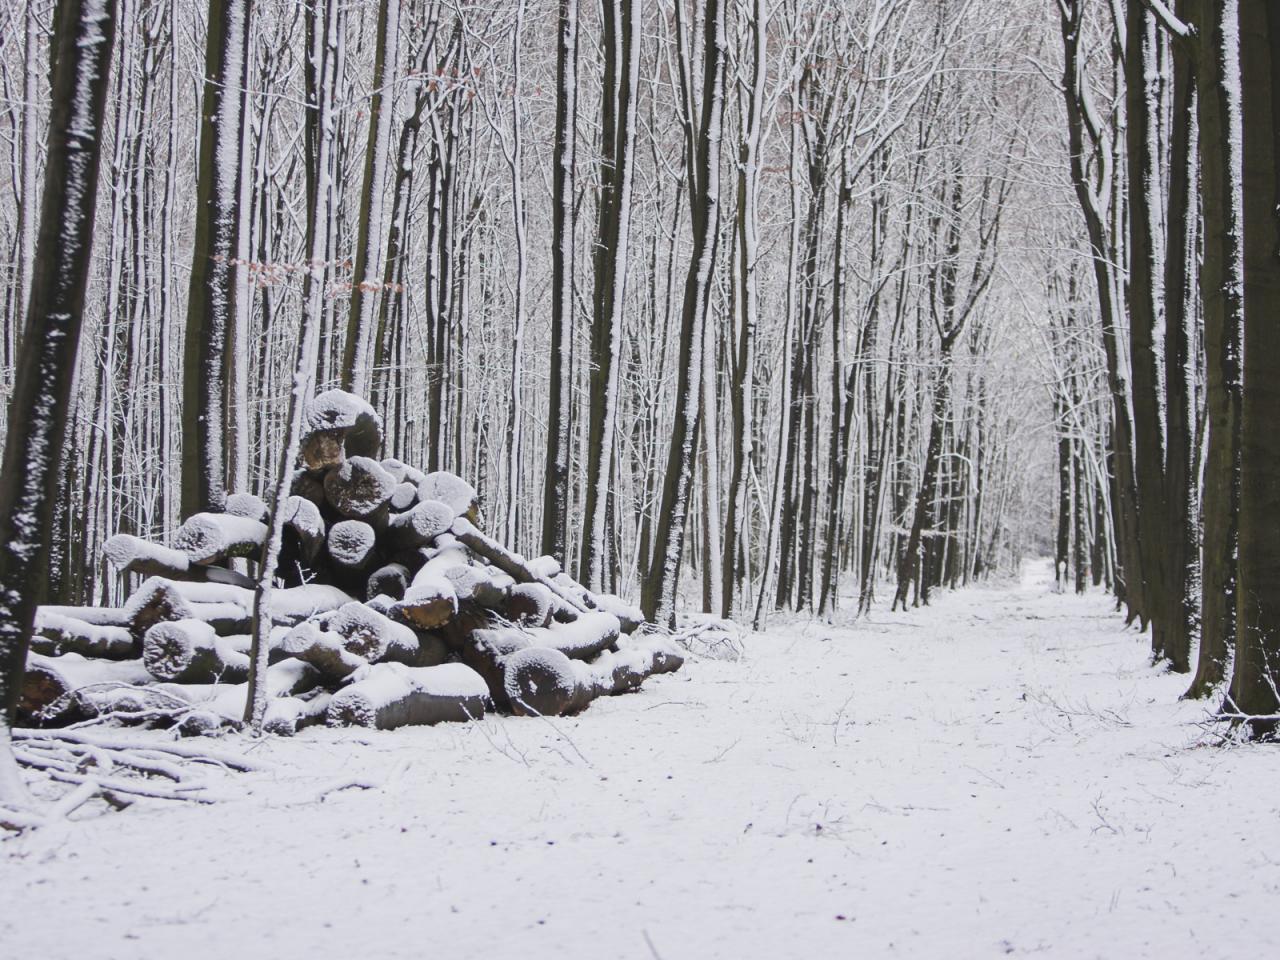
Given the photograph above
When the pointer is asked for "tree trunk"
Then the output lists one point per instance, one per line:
(39, 406)
(212, 292)
(1257, 661)
(1221, 291)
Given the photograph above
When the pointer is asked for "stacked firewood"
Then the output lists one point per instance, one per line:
(392, 608)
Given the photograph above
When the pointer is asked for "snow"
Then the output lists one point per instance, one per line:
(351, 543)
(338, 410)
(1001, 774)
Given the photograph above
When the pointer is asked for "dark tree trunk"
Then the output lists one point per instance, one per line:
(39, 406)
(555, 497)
(1221, 291)
(212, 292)
(1257, 661)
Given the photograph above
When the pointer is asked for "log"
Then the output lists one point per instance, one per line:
(391, 695)
(359, 489)
(373, 636)
(130, 554)
(98, 616)
(390, 580)
(404, 496)
(323, 649)
(213, 537)
(530, 605)
(304, 528)
(338, 425)
(247, 505)
(542, 682)
(485, 651)
(287, 715)
(352, 545)
(514, 566)
(419, 526)
(591, 634)
(50, 684)
(308, 486)
(56, 634)
(226, 608)
(190, 651)
(220, 706)
(430, 601)
(475, 584)
(451, 489)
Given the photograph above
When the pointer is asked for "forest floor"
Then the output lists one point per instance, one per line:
(1003, 773)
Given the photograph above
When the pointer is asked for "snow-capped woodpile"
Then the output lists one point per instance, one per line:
(394, 609)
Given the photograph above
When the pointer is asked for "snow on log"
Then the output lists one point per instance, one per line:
(630, 617)
(130, 554)
(430, 601)
(99, 616)
(190, 651)
(514, 565)
(224, 607)
(404, 496)
(247, 505)
(397, 469)
(323, 649)
(390, 580)
(419, 526)
(304, 533)
(390, 695)
(372, 635)
(485, 651)
(474, 584)
(56, 633)
(592, 633)
(530, 604)
(295, 604)
(542, 682)
(359, 488)
(451, 489)
(210, 537)
(50, 684)
(338, 425)
(223, 705)
(352, 544)
(287, 715)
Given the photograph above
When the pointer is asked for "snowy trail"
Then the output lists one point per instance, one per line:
(1001, 774)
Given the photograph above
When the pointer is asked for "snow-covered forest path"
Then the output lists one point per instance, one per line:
(1003, 773)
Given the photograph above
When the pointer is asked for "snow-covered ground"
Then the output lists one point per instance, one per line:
(1003, 773)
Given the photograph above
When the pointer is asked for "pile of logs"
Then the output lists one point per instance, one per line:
(392, 608)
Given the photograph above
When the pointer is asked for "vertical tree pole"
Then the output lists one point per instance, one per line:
(47, 358)
(367, 279)
(658, 592)
(618, 116)
(1257, 661)
(212, 293)
(555, 494)
(742, 393)
(1222, 293)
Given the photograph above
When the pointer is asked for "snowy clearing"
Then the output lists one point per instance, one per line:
(1003, 773)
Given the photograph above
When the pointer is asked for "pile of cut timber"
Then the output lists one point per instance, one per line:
(393, 608)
